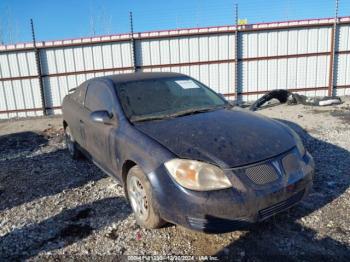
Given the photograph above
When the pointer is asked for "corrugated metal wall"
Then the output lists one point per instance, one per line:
(290, 55)
(290, 69)
(342, 60)
(19, 87)
(208, 58)
(65, 68)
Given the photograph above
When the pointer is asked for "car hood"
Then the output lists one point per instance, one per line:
(226, 137)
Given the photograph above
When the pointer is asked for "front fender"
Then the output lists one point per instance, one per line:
(135, 146)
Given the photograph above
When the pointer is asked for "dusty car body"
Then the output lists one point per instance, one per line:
(214, 168)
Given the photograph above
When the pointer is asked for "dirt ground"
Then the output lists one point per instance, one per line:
(55, 208)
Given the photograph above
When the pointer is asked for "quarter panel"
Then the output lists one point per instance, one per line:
(71, 114)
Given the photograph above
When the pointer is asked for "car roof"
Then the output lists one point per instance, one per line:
(139, 76)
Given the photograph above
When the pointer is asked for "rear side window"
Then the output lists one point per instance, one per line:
(98, 97)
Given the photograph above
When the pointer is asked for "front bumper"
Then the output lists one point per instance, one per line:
(228, 209)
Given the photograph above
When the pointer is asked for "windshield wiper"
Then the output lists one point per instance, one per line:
(196, 111)
(177, 114)
(148, 118)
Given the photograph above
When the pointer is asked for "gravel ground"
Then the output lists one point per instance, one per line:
(52, 207)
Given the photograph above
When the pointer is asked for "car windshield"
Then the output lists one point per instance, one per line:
(165, 98)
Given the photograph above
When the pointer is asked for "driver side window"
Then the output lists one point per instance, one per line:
(98, 97)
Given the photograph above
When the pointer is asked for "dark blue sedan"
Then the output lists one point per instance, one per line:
(183, 153)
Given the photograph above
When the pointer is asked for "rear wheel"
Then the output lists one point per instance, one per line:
(140, 196)
(71, 144)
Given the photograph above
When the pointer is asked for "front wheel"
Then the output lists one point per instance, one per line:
(71, 144)
(140, 196)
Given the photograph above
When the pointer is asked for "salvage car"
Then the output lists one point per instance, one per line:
(183, 153)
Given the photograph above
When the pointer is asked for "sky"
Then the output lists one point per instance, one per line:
(62, 19)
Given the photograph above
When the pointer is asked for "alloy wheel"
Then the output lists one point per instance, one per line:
(138, 198)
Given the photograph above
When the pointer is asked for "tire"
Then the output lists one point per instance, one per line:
(140, 196)
(71, 144)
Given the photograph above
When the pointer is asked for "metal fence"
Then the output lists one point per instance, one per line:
(311, 57)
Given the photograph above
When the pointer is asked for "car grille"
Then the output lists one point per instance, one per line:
(261, 174)
(291, 164)
(216, 224)
(271, 210)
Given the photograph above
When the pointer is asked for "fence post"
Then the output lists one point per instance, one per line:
(332, 51)
(38, 68)
(236, 55)
(133, 51)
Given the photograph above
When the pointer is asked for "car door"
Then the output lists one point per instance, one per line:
(99, 138)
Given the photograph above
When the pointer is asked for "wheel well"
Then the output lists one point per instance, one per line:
(65, 124)
(128, 164)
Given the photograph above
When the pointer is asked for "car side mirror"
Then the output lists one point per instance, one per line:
(102, 116)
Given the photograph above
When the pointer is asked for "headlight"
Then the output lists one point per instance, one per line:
(197, 175)
(299, 143)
